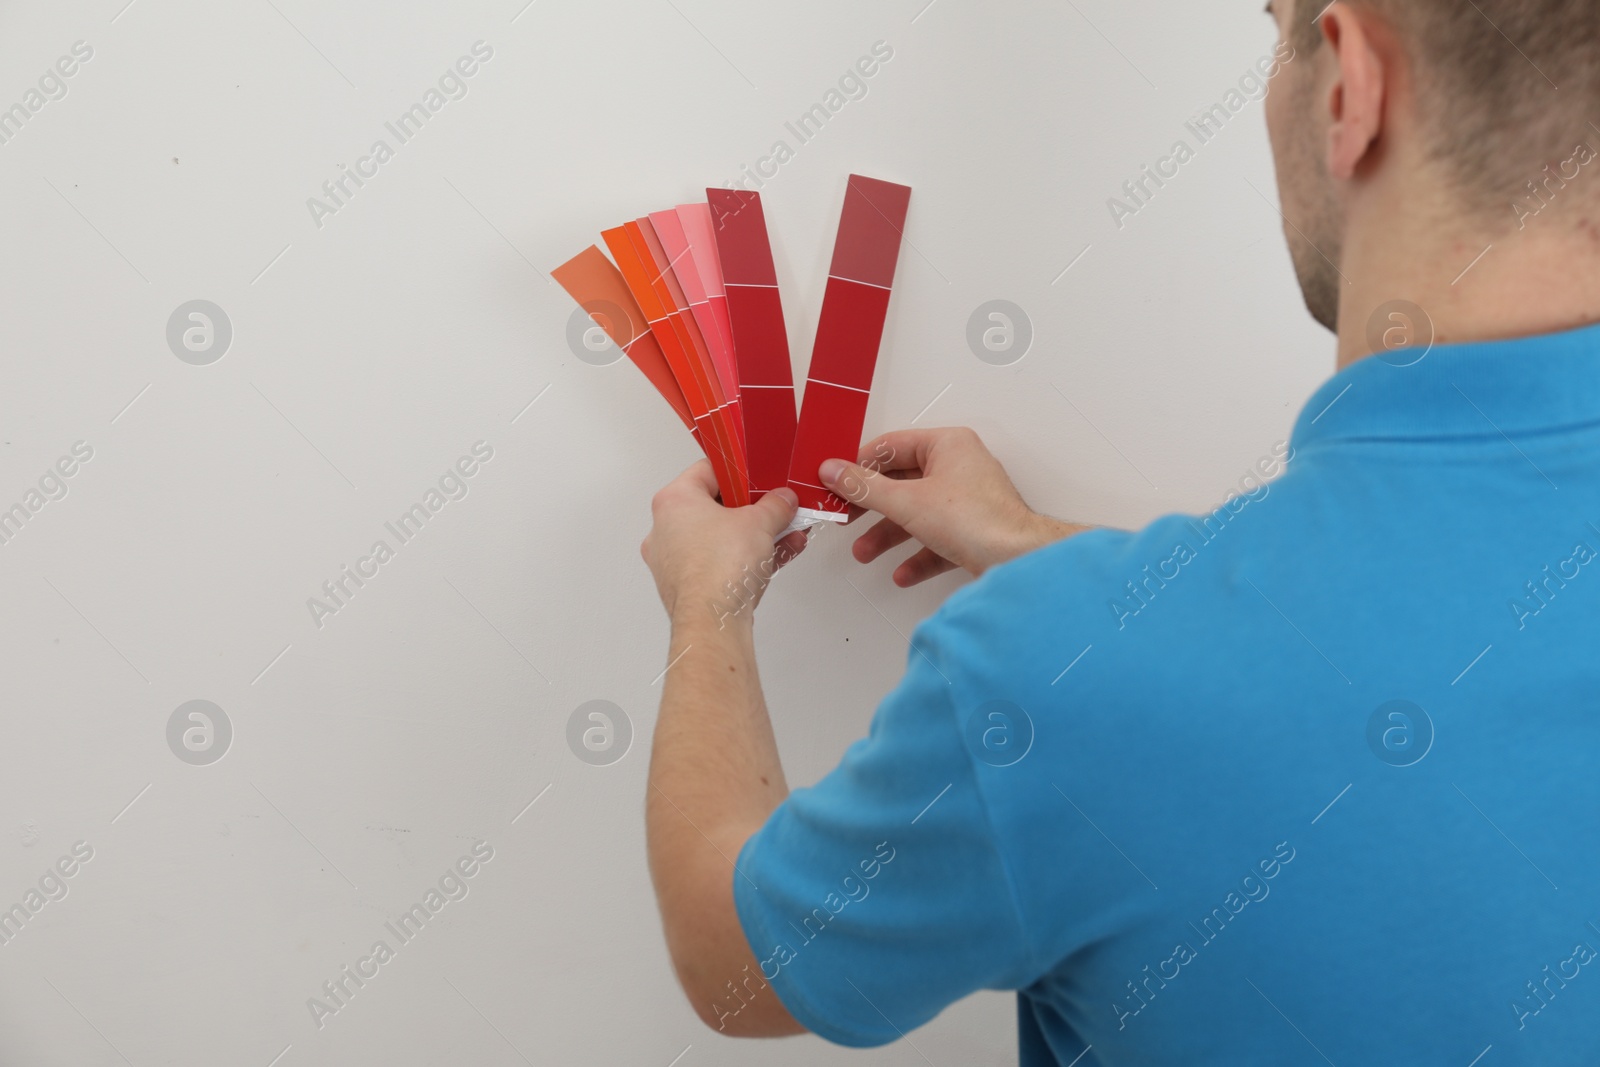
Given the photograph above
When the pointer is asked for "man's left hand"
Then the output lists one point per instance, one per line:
(708, 557)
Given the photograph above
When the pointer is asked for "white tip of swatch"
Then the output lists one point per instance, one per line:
(805, 518)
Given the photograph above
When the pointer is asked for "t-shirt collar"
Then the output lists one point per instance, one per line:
(1498, 388)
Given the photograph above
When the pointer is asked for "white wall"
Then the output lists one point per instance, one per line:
(369, 754)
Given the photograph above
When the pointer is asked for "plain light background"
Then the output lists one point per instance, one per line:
(372, 352)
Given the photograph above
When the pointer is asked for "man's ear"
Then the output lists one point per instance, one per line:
(1357, 96)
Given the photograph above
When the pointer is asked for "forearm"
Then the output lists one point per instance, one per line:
(714, 778)
(1041, 530)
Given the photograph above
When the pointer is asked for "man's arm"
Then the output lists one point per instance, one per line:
(714, 770)
(715, 775)
(714, 779)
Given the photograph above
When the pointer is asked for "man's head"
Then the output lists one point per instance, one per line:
(1449, 103)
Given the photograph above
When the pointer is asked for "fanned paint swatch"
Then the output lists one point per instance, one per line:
(692, 299)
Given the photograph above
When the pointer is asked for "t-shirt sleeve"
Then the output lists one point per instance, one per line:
(878, 897)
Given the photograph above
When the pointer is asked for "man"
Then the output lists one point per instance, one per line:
(1314, 778)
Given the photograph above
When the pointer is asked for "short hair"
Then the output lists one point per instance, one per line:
(1487, 73)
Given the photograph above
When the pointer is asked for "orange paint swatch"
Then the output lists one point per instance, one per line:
(634, 262)
(681, 316)
(599, 289)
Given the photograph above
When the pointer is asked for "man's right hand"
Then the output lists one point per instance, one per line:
(943, 489)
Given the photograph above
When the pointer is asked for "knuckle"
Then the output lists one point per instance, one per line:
(852, 485)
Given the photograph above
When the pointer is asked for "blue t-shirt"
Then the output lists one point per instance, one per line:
(1311, 779)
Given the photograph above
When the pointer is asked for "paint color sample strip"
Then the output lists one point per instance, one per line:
(760, 340)
(671, 286)
(701, 235)
(680, 320)
(599, 289)
(691, 279)
(637, 273)
(849, 332)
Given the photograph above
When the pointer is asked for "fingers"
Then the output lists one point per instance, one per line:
(883, 536)
(912, 450)
(866, 489)
(776, 509)
(898, 449)
(920, 567)
(790, 546)
(698, 480)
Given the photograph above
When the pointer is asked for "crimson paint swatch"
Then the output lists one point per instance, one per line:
(849, 332)
(760, 339)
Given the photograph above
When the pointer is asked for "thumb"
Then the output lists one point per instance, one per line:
(863, 488)
(775, 509)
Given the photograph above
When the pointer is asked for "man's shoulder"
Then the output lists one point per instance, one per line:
(1088, 572)
(1170, 593)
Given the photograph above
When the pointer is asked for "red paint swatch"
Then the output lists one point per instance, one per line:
(760, 341)
(849, 332)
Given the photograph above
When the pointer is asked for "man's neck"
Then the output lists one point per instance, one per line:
(1474, 282)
